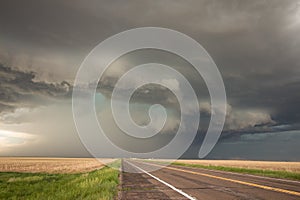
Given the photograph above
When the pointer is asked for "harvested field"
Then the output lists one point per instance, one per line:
(51, 165)
(264, 165)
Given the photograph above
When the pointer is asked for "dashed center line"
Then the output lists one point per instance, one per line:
(231, 180)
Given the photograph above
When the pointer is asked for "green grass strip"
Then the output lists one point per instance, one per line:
(260, 172)
(98, 184)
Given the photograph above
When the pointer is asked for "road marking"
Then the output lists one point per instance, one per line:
(165, 183)
(247, 175)
(232, 180)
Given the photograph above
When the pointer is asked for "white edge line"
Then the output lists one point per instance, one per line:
(227, 172)
(167, 184)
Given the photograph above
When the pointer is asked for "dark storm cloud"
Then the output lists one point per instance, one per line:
(268, 146)
(255, 45)
(151, 93)
(18, 89)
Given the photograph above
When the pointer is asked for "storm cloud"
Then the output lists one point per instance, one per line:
(18, 90)
(255, 45)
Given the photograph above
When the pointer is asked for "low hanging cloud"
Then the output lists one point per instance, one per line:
(243, 120)
(18, 90)
(239, 120)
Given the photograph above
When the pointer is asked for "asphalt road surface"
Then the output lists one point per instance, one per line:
(176, 182)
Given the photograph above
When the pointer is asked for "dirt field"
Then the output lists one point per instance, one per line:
(51, 165)
(281, 166)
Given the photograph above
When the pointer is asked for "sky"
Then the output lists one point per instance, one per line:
(255, 45)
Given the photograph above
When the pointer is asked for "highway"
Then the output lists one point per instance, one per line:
(176, 182)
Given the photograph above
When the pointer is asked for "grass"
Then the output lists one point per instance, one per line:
(260, 172)
(98, 184)
(249, 164)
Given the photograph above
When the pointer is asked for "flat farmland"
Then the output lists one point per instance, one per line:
(247, 164)
(51, 165)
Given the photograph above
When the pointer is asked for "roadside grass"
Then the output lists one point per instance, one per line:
(98, 184)
(260, 172)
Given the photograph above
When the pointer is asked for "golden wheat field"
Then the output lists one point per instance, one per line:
(267, 165)
(51, 165)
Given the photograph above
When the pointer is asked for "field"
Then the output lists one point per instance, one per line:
(286, 170)
(51, 165)
(57, 178)
(246, 164)
(87, 178)
(98, 184)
